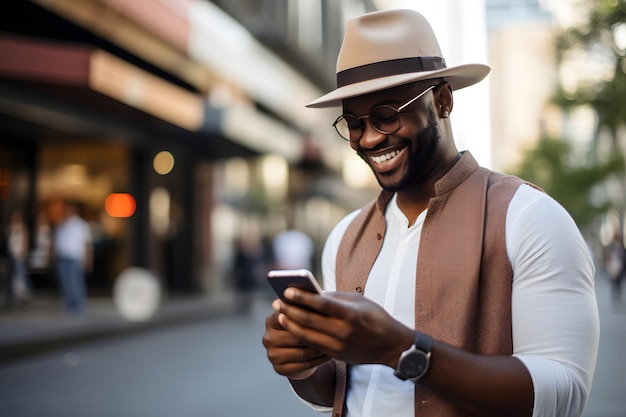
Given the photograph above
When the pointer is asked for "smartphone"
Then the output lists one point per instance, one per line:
(280, 279)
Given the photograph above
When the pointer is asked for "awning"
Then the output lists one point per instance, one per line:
(78, 68)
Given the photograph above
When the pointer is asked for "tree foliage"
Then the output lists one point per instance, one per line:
(549, 165)
(602, 38)
(577, 183)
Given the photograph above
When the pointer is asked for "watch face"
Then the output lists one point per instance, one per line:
(413, 364)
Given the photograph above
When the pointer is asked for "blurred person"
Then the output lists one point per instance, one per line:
(18, 286)
(614, 265)
(293, 249)
(73, 257)
(454, 292)
(251, 264)
(102, 264)
(39, 257)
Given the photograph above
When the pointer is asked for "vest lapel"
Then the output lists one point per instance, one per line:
(450, 250)
(366, 232)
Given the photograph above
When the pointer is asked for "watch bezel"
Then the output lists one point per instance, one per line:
(419, 351)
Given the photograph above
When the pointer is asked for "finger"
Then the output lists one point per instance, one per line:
(306, 355)
(274, 338)
(272, 322)
(313, 320)
(277, 336)
(323, 337)
(328, 304)
(301, 370)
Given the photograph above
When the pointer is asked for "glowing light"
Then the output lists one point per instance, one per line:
(163, 162)
(160, 211)
(136, 294)
(120, 205)
(275, 174)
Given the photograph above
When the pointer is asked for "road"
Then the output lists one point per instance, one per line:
(218, 368)
(608, 393)
(213, 368)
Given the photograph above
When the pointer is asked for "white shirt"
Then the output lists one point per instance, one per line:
(554, 311)
(71, 238)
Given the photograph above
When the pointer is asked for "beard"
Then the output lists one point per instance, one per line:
(421, 160)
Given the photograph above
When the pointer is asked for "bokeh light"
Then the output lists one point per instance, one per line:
(163, 162)
(137, 294)
(120, 205)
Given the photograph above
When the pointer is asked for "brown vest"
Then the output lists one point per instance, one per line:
(463, 276)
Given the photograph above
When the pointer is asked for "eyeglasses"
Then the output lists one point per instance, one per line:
(384, 118)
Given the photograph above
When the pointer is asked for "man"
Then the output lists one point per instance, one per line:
(18, 286)
(460, 291)
(74, 253)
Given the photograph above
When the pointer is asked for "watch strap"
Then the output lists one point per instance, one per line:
(423, 341)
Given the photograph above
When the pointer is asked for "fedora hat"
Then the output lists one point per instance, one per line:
(389, 48)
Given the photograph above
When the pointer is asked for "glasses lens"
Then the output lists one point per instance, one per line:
(385, 119)
(348, 127)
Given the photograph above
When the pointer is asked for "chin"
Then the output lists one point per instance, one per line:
(391, 184)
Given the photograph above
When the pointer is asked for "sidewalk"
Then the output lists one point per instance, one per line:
(42, 325)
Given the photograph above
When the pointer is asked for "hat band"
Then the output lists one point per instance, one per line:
(387, 68)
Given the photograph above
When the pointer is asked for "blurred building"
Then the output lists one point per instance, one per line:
(178, 124)
(522, 55)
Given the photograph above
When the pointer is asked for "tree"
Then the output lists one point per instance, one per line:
(602, 38)
(584, 185)
(551, 166)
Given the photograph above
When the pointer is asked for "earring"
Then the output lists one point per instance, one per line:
(445, 114)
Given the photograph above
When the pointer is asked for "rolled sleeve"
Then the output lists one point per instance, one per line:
(554, 308)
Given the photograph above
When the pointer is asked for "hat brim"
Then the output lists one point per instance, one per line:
(459, 77)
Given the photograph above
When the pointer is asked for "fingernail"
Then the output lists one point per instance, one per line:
(276, 305)
(289, 293)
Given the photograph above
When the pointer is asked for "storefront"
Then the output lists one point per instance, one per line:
(100, 99)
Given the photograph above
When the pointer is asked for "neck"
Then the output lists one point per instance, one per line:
(415, 200)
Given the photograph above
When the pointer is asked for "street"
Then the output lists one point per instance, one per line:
(211, 368)
(608, 393)
(218, 368)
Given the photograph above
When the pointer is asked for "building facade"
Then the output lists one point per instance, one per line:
(193, 109)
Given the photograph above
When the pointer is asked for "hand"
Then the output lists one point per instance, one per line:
(287, 354)
(343, 326)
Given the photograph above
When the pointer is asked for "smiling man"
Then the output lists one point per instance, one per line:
(459, 291)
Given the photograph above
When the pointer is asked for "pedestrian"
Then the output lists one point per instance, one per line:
(73, 257)
(251, 263)
(459, 291)
(40, 255)
(18, 288)
(292, 249)
(614, 265)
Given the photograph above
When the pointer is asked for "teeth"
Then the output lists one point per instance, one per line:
(385, 157)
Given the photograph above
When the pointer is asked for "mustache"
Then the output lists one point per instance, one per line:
(430, 131)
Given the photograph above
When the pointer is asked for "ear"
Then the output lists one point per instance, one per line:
(444, 99)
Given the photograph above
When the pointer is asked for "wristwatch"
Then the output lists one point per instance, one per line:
(414, 361)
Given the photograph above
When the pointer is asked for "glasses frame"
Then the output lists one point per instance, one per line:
(360, 119)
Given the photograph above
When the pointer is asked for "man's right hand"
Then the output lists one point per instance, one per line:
(289, 356)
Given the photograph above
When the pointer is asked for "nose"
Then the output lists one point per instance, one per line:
(370, 137)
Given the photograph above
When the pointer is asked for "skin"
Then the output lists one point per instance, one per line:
(302, 344)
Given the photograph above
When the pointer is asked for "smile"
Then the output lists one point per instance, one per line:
(385, 157)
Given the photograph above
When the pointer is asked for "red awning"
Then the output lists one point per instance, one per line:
(75, 65)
